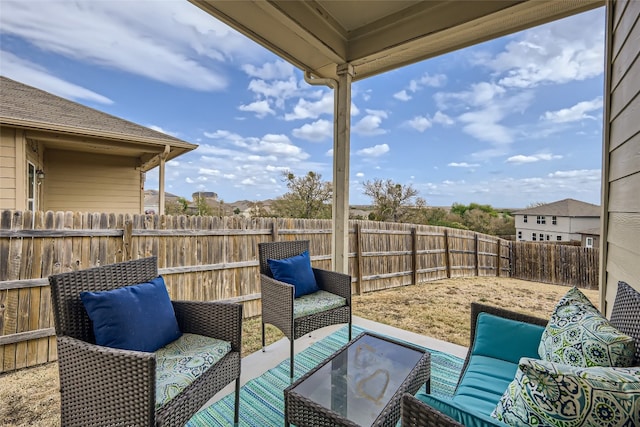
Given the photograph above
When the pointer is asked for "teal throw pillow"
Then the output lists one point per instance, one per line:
(295, 271)
(138, 317)
(579, 335)
(548, 394)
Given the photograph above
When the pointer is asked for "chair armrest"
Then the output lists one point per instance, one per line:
(106, 383)
(277, 304)
(418, 414)
(334, 282)
(221, 320)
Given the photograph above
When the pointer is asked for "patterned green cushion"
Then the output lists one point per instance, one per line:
(179, 363)
(578, 335)
(547, 394)
(315, 303)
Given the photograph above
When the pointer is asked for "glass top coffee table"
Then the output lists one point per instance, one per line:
(360, 385)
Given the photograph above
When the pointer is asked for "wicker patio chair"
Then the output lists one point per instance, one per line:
(278, 297)
(106, 386)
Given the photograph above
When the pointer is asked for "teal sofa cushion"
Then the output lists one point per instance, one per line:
(506, 339)
(458, 412)
(484, 382)
(315, 303)
(498, 346)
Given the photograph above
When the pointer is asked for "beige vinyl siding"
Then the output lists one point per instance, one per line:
(7, 168)
(87, 182)
(621, 195)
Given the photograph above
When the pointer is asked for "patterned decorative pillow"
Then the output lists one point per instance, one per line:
(578, 335)
(547, 394)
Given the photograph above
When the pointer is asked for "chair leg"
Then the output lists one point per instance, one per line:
(236, 414)
(263, 339)
(291, 363)
(350, 331)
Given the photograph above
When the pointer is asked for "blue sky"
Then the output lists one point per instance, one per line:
(510, 122)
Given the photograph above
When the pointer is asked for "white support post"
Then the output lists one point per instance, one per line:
(161, 177)
(341, 149)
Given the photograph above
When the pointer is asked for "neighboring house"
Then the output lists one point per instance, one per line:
(63, 156)
(590, 238)
(560, 221)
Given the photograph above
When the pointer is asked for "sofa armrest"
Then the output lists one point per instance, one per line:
(334, 282)
(441, 412)
(99, 383)
(214, 319)
(416, 413)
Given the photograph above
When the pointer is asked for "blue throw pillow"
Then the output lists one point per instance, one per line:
(295, 271)
(138, 317)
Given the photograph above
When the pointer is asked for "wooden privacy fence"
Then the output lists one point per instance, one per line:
(210, 258)
(557, 264)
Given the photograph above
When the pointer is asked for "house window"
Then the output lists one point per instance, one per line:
(548, 237)
(519, 234)
(554, 220)
(31, 187)
(533, 236)
(589, 242)
(541, 219)
(559, 238)
(525, 218)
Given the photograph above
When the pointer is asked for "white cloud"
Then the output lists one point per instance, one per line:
(463, 165)
(375, 151)
(420, 123)
(270, 70)
(370, 124)
(278, 90)
(359, 175)
(442, 119)
(520, 158)
(559, 52)
(575, 113)
(133, 39)
(312, 109)
(260, 108)
(32, 74)
(402, 95)
(316, 131)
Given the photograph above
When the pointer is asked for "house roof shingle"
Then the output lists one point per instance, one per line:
(26, 106)
(566, 207)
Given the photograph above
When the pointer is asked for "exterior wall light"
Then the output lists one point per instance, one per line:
(40, 174)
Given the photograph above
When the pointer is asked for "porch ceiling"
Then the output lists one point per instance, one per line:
(376, 36)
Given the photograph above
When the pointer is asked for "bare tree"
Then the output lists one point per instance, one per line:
(391, 201)
(308, 197)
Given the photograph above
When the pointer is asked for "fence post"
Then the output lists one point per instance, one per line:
(126, 240)
(274, 230)
(477, 255)
(446, 253)
(359, 256)
(499, 258)
(414, 256)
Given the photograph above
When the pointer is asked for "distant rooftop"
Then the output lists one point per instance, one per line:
(566, 207)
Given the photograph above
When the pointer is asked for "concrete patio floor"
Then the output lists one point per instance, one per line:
(259, 362)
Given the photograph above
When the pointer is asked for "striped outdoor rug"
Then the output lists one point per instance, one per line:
(262, 399)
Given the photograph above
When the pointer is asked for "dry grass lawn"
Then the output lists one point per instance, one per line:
(440, 309)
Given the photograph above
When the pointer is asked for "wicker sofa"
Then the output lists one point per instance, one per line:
(102, 386)
(479, 390)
